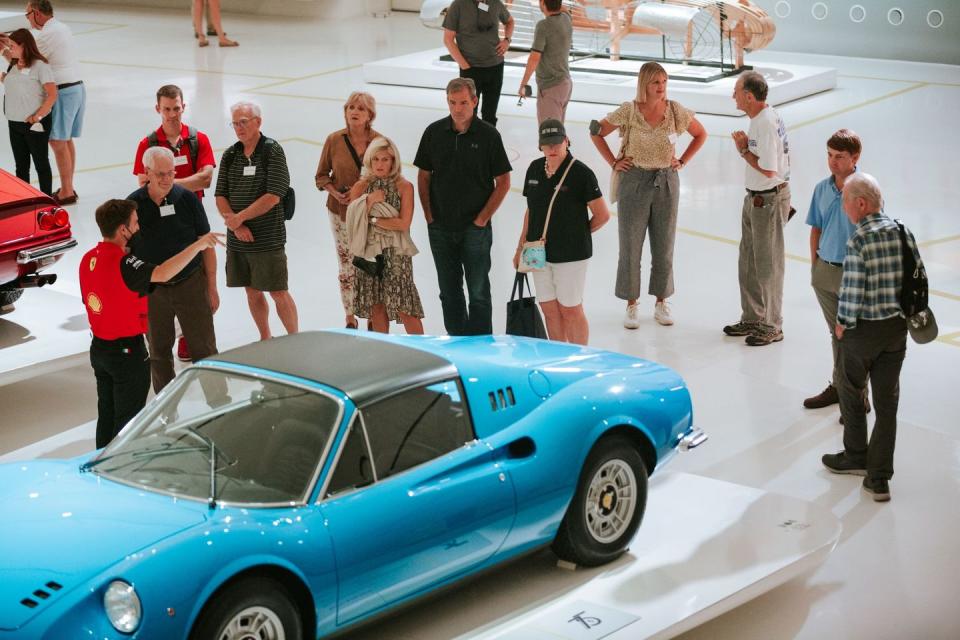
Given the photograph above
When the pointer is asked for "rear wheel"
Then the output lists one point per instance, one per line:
(607, 507)
(251, 609)
(9, 295)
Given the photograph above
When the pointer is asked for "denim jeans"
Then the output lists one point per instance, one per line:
(458, 255)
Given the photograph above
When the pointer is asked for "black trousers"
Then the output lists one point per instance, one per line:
(489, 81)
(874, 350)
(28, 144)
(122, 368)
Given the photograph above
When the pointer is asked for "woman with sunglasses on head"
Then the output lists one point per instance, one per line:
(30, 92)
(649, 185)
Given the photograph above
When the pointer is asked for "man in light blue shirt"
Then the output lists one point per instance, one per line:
(829, 231)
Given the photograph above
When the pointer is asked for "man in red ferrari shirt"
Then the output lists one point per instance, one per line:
(114, 284)
(193, 157)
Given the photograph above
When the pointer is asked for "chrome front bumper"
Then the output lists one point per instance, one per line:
(692, 439)
(48, 251)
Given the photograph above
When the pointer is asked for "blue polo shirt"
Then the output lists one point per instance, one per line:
(826, 213)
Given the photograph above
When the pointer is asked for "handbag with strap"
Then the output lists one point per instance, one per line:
(614, 174)
(915, 295)
(523, 316)
(533, 255)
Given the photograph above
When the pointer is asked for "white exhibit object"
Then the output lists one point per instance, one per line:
(705, 547)
(612, 82)
(670, 20)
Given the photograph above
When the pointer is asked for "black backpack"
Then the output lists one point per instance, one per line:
(192, 144)
(289, 199)
(915, 293)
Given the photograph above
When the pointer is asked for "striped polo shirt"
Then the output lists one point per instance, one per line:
(873, 271)
(242, 186)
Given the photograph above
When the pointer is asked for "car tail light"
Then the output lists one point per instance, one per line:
(55, 218)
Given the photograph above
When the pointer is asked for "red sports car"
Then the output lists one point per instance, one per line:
(34, 233)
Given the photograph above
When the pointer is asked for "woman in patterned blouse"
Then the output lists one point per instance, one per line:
(649, 187)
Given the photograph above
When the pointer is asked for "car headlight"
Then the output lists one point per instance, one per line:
(122, 606)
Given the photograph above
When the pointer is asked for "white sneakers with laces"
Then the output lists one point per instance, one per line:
(631, 320)
(661, 313)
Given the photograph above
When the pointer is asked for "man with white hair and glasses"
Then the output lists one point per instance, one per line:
(872, 333)
(171, 218)
(252, 181)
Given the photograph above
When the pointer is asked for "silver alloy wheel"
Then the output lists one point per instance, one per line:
(254, 623)
(611, 500)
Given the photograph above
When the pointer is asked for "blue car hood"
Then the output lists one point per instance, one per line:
(62, 526)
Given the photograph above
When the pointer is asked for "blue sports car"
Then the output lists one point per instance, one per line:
(292, 488)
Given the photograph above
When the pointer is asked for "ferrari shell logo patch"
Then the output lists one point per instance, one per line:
(93, 302)
(93, 263)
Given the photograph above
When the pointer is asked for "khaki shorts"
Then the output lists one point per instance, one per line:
(261, 270)
(561, 281)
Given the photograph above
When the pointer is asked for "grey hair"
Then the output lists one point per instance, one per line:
(252, 107)
(153, 153)
(459, 84)
(754, 83)
(864, 185)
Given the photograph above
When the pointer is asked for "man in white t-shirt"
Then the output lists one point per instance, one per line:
(55, 41)
(766, 209)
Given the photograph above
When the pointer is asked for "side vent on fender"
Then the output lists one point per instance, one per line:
(502, 398)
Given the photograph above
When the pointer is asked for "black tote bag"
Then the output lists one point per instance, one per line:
(523, 316)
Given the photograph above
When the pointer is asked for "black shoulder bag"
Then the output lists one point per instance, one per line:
(915, 295)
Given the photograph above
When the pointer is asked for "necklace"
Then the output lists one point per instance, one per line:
(546, 168)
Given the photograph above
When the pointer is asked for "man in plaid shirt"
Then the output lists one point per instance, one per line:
(873, 336)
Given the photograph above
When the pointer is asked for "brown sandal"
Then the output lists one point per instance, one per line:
(227, 42)
(202, 41)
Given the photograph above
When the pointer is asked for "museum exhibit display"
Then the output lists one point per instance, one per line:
(34, 234)
(696, 33)
(274, 472)
(702, 46)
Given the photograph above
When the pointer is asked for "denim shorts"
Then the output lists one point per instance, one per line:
(68, 112)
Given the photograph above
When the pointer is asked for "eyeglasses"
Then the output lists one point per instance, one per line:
(241, 123)
(164, 174)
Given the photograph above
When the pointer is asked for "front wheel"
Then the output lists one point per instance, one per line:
(607, 507)
(252, 608)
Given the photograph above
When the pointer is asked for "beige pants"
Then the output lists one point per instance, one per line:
(552, 102)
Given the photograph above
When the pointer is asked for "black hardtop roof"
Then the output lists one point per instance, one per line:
(366, 369)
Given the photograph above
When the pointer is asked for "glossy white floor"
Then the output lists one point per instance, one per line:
(894, 570)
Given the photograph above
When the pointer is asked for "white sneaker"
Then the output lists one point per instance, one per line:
(661, 313)
(632, 318)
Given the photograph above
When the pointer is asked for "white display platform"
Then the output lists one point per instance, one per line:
(787, 81)
(46, 331)
(705, 547)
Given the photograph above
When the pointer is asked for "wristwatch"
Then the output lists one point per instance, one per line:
(744, 151)
(373, 221)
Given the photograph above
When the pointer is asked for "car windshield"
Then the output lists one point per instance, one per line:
(221, 436)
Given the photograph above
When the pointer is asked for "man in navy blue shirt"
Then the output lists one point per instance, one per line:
(171, 218)
(829, 231)
(464, 177)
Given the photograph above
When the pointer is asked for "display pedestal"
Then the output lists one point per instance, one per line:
(600, 80)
